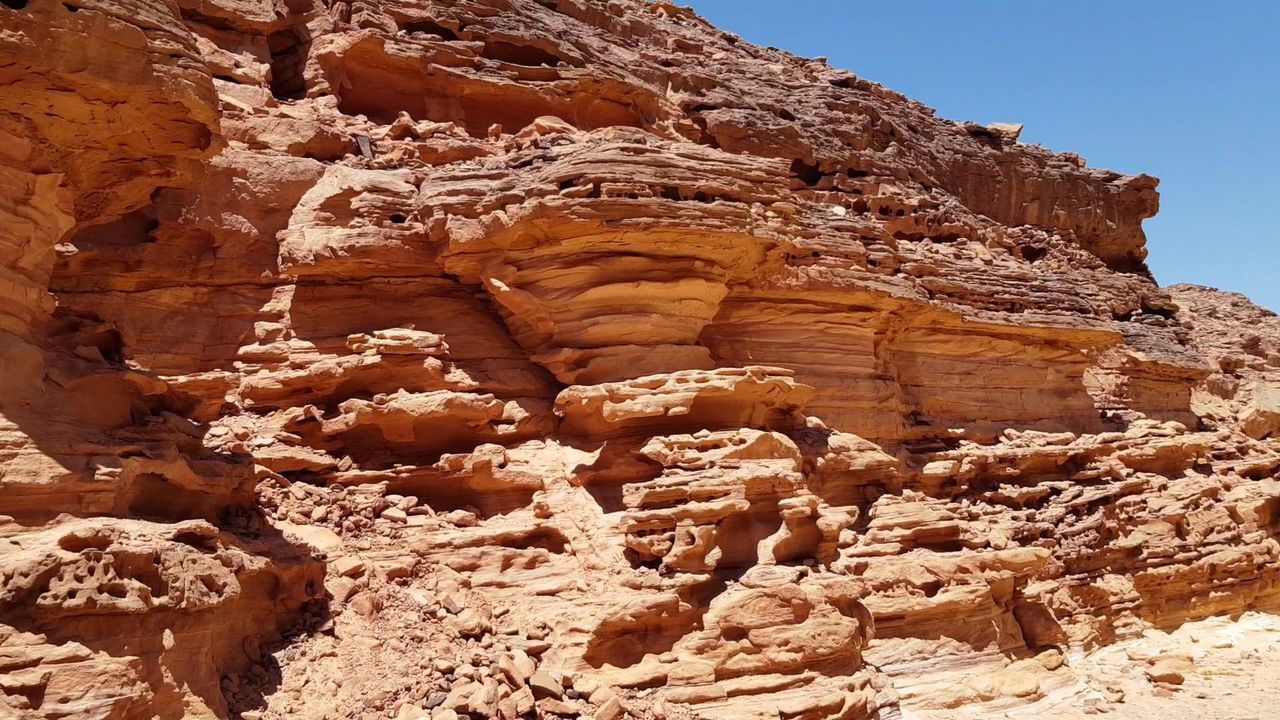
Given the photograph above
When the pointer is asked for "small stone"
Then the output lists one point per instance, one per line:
(454, 602)
(470, 623)
(585, 685)
(365, 604)
(692, 672)
(611, 709)
(348, 566)
(399, 567)
(557, 707)
(395, 514)
(409, 711)
(508, 708)
(483, 702)
(517, 667)
(524, 701)
(1051, 659)
(602, 696)
(460, 694)
(1170, 669)
(545, 686)
(462, 518)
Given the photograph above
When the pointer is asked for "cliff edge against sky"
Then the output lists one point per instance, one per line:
(571, 358)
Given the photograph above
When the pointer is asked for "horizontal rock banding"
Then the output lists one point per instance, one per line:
(575, 358)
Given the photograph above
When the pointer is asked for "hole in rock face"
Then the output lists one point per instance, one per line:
(135, 228)
(111, 344)
(288, 55)
(549, 539)
(151, 496)
(808, 174)
(1032, 253)
(738, 536)
(14, 4)
(429, 27)
(200, 541)
(211, 585)
(381, 86)
(843, 490)
(79, 542)
(518, 54)
(397, 218)
(477, 106)
(82, 334)
(487, 502)
(801, 544)
(142, 567)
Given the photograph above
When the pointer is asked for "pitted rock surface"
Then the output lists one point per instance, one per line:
(574, 358)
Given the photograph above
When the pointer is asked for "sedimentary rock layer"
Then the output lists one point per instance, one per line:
(502, 358)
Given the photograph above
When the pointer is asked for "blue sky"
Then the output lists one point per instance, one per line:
(1186, 91)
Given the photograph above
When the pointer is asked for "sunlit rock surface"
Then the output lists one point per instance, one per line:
(571, 358)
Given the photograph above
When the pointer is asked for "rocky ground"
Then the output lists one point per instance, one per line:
(575, 358)
(1218, 669)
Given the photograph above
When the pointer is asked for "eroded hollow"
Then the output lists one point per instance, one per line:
(738, 536)
(514, 54)
(131, 229)
(151, 496)
(445, 494)
(288, 57)
(624, 641)
(429, 27)
(380, 87)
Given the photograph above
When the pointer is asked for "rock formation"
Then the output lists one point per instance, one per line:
(574, 358)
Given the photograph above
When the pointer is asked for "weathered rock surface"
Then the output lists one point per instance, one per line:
(572, 358)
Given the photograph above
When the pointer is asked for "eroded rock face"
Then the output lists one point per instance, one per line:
(568, 358)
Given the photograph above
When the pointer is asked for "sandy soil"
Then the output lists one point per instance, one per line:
(1235, 670)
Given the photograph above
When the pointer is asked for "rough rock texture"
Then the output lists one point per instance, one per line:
(571, 358)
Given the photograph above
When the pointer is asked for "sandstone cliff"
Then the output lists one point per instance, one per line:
(573, 358)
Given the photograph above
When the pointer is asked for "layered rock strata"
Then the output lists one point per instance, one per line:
(502, 358)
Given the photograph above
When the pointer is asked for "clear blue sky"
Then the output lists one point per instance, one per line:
(1186, 91)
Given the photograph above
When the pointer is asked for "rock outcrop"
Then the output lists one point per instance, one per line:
(573, 358)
